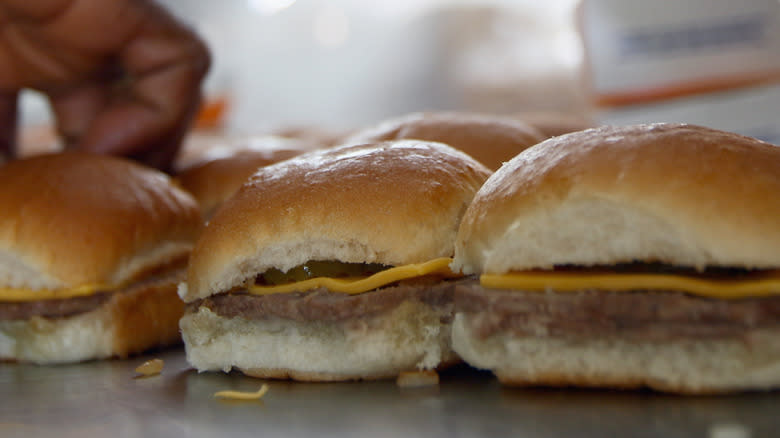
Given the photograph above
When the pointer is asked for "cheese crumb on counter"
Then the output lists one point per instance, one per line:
(151, 367)
(240, 395)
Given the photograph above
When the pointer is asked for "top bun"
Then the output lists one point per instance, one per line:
(214, 181)
(200, 148)
(490, 139)
(73, 219)
(392, 203)
(670, 193)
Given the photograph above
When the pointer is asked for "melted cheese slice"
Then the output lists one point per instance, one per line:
(356, 285)
(764, 285)
(22, 295)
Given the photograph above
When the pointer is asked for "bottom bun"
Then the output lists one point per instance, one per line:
(132, 321)
(686, 365)
(411, 336)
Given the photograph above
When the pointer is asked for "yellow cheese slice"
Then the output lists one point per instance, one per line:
(21, 295)
(765, 284)
(356, 285)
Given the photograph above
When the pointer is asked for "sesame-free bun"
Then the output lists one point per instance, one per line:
(672, 193)
(686, 365)
(212, 182)
(202, 147)
(490, 139)
(392, 203)
(408, 337)
(72, 219)
(137, 318)
(76, 219)
(676, 194)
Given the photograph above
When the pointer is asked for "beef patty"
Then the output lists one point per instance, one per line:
(643, 315)
(322, 305)
(57, 308)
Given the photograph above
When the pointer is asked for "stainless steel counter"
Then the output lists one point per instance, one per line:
(103, 399)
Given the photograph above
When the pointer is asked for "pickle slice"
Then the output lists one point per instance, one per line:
(318, 268)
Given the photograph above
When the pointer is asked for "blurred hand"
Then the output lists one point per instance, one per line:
(122, 76)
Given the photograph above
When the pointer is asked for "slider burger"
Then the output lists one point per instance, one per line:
(91, 250)
(214, 180)
(491, 139)
(333, 265)
(640, 256)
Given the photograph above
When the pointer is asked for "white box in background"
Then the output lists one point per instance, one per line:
(710, 62)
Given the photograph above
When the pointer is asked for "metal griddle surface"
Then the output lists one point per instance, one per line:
(103, 399)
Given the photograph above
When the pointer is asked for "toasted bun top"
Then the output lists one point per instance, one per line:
(214, 181)
(73, 219)
(671, 193)
(392, 203)
(490, 139)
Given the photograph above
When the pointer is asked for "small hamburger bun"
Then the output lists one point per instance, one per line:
(200, 148)
(368, 208)
(657, 207)
(91, 250)
(217, 178)
(490, 139)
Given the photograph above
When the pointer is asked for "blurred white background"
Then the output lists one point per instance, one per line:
(347, 63)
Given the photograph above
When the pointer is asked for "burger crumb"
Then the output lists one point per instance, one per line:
(151, 367)
(240, 395)
(417, 379)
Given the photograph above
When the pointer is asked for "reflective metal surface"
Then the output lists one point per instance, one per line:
(103, 399)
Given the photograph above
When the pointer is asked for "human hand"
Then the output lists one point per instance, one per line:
(122, 76)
